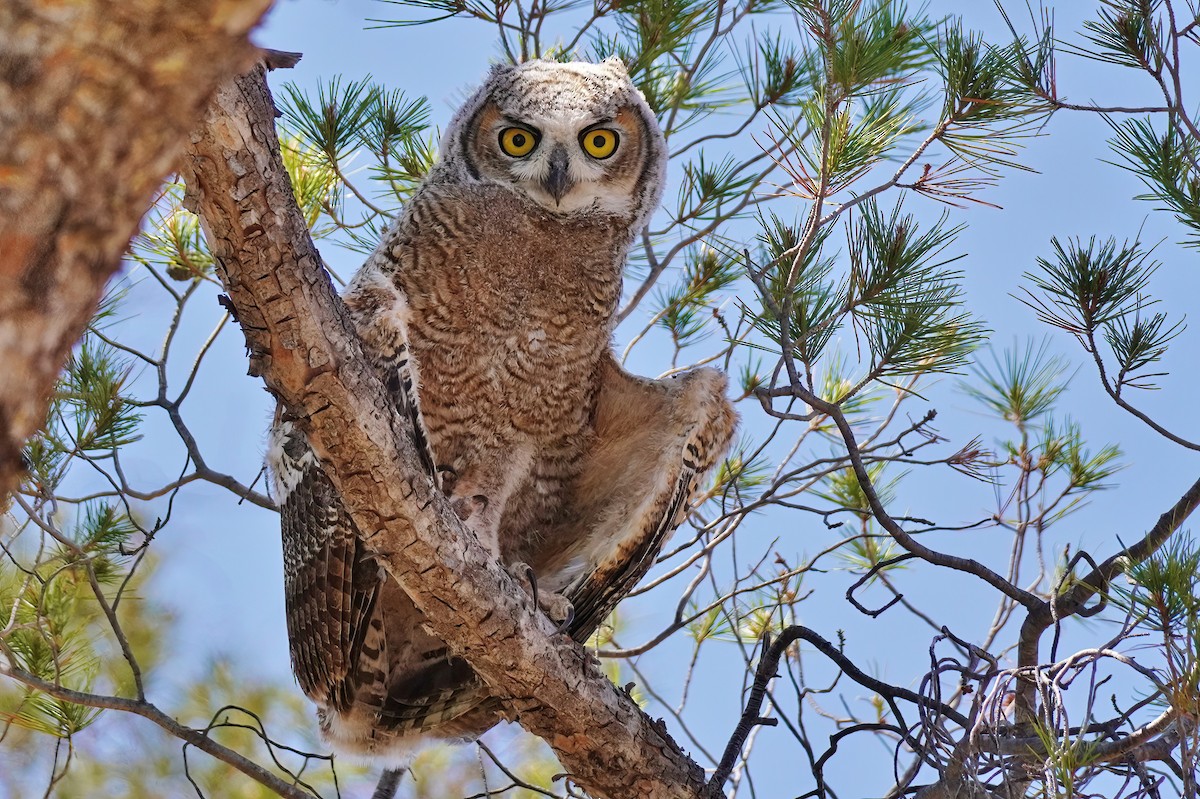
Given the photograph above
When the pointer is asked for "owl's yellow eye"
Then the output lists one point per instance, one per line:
(599, 142)
(517, 142)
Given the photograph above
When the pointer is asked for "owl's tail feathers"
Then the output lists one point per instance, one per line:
(360, 736)
(432, 705)
(418, 711)
(355, 734)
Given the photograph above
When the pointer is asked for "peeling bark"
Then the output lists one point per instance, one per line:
(96, 100)
(303, 345)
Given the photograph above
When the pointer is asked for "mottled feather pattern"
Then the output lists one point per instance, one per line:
(330, 582)
(488, 308)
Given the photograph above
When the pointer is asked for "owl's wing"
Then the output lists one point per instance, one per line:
(418, 683)
(331, 581)
(356, 643)
(379, 309)
(655, 441)
(620, 568)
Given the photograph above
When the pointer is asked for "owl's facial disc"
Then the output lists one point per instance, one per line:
(566, 162)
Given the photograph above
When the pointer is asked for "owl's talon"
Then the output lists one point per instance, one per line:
(532, 578)
(518, 570)
(564, 627)
(556, 606)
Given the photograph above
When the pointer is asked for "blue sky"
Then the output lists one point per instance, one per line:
(222, 561)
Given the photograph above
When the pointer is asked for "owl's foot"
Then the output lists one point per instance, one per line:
(448, 476)
(466, 507)
(480, 518)
(556, 606)
(566, 612)
(523, 571)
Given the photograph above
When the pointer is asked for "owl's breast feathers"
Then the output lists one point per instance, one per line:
(507, 302)
(497, 257)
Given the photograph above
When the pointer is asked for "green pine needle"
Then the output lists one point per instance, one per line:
(172, 240)
(687, 308)
(1138, 343)
(1062, 444)
(333, 122)
(315, 183)
(907, 301)
(987, 110)
(1166, 165)
(1088, 286)
(1021, 386)
(1127, 34)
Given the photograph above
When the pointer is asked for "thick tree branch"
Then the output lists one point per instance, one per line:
(96, 100)
(304, 346)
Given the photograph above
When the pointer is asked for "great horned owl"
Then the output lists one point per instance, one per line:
(498, 285)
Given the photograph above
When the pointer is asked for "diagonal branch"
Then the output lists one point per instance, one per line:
(966, 565)
(768, 666)
(304, 346)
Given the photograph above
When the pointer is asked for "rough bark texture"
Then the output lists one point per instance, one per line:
(96, 100)
(303, 345)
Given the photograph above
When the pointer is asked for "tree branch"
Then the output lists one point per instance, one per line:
(304, 346)
(1073, 601)
(151, 711)
(768, 665)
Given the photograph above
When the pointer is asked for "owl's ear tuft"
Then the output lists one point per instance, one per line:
(500, 69)
(617, 65)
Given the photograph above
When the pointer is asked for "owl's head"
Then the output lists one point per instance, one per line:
(574, 138)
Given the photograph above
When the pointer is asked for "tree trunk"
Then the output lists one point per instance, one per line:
(96, 100)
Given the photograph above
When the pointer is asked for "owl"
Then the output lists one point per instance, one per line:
(488, 308)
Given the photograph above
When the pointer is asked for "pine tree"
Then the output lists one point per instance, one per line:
(824, 154)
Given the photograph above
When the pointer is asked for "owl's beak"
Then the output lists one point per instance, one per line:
(558, 180)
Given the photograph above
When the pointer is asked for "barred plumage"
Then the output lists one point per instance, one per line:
(489, 307)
